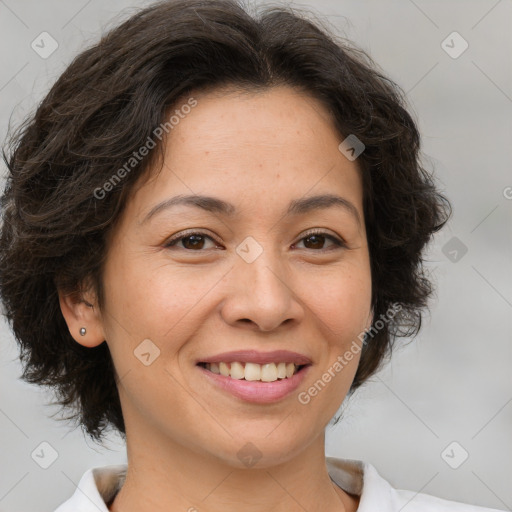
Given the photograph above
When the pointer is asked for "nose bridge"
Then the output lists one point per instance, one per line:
(261, 291)
(265, 273)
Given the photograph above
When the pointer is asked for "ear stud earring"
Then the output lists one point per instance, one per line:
(83, 331)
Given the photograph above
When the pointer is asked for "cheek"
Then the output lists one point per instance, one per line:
(148, 301)
(341, 302)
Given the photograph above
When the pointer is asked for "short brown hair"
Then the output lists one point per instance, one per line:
(108, 102)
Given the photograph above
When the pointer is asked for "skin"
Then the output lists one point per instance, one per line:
(257, 151)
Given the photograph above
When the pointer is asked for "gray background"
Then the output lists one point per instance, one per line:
(454, 381)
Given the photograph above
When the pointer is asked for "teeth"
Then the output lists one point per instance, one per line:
(237, 371)
(269, 372)
(281, 370)
(224, 369)
(252, 371)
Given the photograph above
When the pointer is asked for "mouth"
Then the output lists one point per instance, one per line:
(257, 377)
(269, 372)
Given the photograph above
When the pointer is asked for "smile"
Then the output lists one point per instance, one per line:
(269, 372)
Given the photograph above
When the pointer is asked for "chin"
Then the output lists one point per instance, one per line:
(256, 450)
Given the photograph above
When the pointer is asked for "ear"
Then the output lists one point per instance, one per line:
(80, 310)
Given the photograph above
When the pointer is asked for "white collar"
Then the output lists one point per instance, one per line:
(100, 484)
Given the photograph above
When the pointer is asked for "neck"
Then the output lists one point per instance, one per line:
(164, 476)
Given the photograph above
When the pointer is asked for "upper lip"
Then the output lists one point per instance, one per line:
(254, 356)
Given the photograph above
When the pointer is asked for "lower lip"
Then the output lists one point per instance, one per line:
(257, 391)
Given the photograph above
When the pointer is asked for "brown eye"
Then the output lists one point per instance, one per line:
(191, 242)
(316, 241)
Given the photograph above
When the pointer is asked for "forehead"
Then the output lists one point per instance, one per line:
(261, 146)
(265, 119)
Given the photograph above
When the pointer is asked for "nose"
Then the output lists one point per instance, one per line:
(261, 295)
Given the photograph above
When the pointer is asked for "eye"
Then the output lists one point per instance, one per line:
(192, 241)
(196, 241)
(316, 240)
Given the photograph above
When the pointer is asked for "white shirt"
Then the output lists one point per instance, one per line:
(98, 486)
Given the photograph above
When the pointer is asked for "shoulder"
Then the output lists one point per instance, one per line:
(426, 503)
(95, 489)
(376, 493)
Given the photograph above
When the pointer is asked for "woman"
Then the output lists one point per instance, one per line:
(212, 234)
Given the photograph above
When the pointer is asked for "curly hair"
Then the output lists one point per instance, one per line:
(55, 230)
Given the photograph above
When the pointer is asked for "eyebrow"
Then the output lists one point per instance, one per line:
(215, 205)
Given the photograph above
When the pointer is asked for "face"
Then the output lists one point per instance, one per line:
(257, 275)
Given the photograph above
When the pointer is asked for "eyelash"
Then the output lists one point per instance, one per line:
(339, 243)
